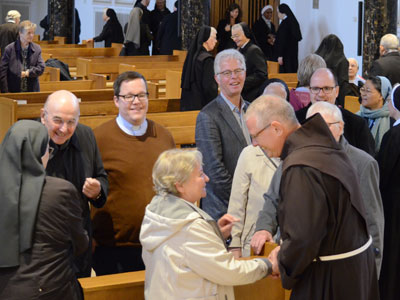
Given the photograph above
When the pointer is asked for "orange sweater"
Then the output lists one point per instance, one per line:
(128, 161)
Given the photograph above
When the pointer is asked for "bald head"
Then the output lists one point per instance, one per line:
(60, 115)
(275, 89)
(323, 86)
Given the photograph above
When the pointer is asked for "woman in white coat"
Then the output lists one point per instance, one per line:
(184, 249)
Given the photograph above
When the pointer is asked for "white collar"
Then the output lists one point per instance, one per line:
(130, 129)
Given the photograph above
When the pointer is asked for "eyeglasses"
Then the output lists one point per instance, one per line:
(228, 73)
(332, 123)
(142, 97)
(235, 36)
(60, 122)
(253, 137)
(325, 89)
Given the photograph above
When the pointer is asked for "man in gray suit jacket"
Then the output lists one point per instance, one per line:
(221, 131)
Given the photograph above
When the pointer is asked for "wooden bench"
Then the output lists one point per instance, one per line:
(289, 78)
(93, 113)
(273, 67)
(130, 285)
(50, 74)
(107, 65)
(351, 103)
(97, 82)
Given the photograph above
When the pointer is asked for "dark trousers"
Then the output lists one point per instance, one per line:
(112, 260)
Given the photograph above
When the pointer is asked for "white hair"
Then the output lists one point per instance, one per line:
(228, 54)
(325, 109)
(390, 42)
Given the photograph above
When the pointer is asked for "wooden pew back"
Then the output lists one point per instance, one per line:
(289, 78)
(351, 103)
(50, 74)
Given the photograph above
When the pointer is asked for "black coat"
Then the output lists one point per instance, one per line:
(46, 270)
(8, 34)
(204, 88)
(389, 66)
(111, 33)
(261, 32)
(168, 39)
(256, 70)
(356, 130)
(389, 166)
(10, 68)
(82, 156)
(224, 37)
(287, 47)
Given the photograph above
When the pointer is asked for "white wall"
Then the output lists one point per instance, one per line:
(330, 18)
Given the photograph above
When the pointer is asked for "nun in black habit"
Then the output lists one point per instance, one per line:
(41, 226)
(389, 166)
(112, 30)
(198, 84)
(287, 40)
(264, 31)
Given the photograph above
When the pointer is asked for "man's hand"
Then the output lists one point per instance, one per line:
(225, 224)
(273, 258)
(227, 27)
(258, 240)
(280, 60)
(237, 252)
(91, 188)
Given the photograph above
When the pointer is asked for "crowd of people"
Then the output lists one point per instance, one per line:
(271, 165)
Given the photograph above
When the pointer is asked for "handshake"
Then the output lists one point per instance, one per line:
(257, 244)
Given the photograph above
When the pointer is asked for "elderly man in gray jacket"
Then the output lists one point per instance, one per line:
(367, 170)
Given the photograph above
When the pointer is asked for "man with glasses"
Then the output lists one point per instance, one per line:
(324, 87)
(221, 132)
(75, 158)
(325, 249)
(256, 66)
(129, 145)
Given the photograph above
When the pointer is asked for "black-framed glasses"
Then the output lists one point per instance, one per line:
(253, 137)
(131, 97)
(325, 89)
(228, 73)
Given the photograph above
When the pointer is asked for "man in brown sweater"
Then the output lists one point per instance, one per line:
(129, 146)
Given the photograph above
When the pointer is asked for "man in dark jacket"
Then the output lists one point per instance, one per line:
(167, 38)
(75, 158)
(9, 30)
(388, 64)
(256, 65)
(324, 87)
(156, 16)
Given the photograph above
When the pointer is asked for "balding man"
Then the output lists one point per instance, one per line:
(75, 158)
(368, 173)
(325, 251)
(388, 64)
(9, 30)
(277, 89)
(324, 87)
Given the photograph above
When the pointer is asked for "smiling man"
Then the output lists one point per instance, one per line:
(256, 66)
(221, 132)
(75, 158)
(129, 146)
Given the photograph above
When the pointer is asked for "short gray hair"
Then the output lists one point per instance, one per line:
(270, 89)
(174, 166)
(325, 109)
(26, 25)
(390, 42)
(268, 108)
(307, 67)
(228, 54)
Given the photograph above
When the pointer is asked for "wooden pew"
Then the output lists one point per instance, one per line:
(93, 111)
(173, 84)
(273, 67)
(70, 55)
(289, 78)
(130, 285)
(351, 103)
(50, 74)
(106, 65)
(71, 85)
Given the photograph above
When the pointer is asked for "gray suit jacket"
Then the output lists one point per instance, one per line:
(220, 139)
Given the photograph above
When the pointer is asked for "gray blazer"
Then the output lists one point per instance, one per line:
(220, 139)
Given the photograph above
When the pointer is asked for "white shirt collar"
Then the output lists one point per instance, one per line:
(130, 129)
